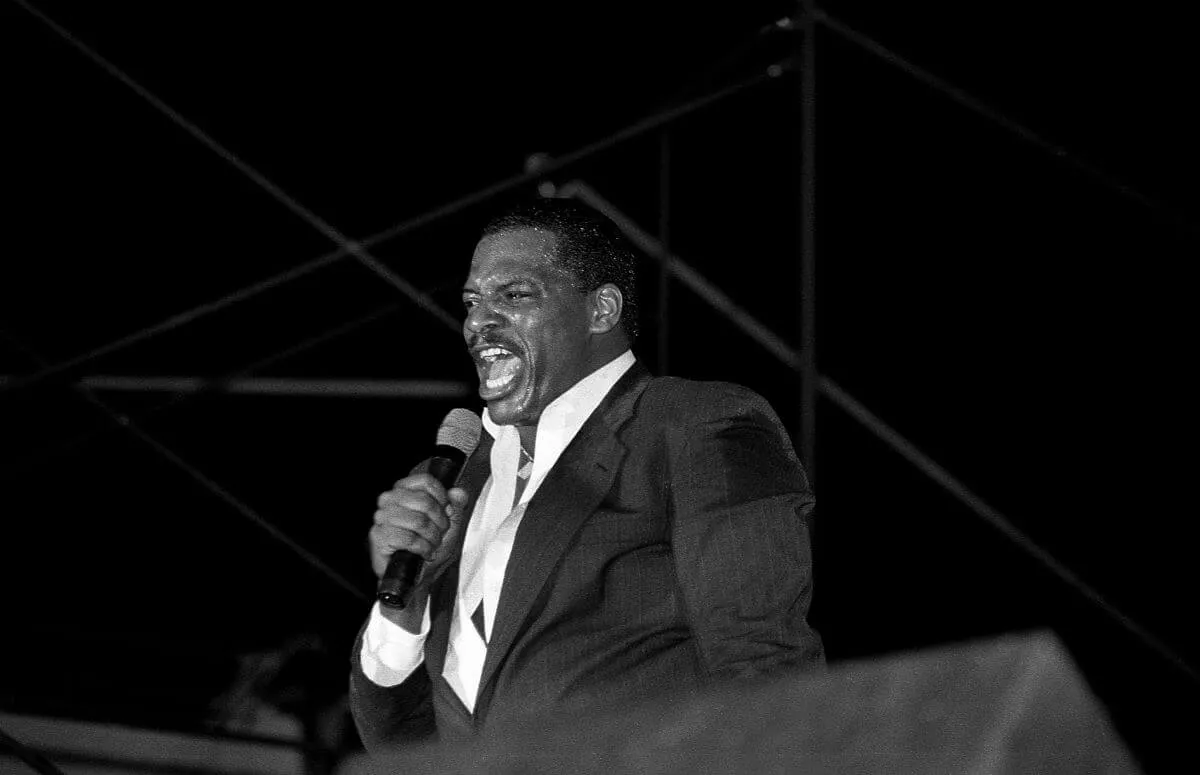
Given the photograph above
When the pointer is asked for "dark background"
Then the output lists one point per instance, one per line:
(1028, 327)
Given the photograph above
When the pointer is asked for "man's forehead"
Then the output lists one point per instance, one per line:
(515, 252)
(527, 243)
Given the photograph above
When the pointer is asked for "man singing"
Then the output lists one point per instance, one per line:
(613, 536)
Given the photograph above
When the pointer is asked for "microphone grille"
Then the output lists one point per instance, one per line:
(461, 429)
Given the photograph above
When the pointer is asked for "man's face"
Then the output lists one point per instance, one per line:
(527, 326)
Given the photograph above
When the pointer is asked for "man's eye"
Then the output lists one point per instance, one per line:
(470, 303)
(516, 295)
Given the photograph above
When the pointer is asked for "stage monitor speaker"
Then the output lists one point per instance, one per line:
(1012, 705)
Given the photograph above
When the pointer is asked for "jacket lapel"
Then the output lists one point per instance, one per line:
(474, 476)
(569, 494)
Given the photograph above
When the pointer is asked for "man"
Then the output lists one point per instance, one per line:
(613, 536)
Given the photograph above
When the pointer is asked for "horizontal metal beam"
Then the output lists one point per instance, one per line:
(283, 386)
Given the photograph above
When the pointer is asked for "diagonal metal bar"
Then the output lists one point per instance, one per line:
(1092, 171)
(124, 422)
(233, 501)
(287, 200)
(71, 366)
(739, 51)
(993, 517)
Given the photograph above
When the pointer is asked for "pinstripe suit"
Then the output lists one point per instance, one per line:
(667, 548)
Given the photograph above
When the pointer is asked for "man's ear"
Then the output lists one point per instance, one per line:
(607, 304)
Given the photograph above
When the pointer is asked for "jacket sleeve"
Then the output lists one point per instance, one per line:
(740, 503)
(386, 716)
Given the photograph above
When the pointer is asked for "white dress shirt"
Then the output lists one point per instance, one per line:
(390, 653)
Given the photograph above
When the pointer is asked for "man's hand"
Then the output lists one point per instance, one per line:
(417, 515)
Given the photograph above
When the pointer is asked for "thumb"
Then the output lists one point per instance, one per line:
(458, 496)
(457, 505)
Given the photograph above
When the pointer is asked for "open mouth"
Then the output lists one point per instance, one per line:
(498, 370)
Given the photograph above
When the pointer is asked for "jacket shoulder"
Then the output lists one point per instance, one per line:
(682, 401)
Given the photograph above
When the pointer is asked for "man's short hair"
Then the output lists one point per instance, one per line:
(587, 244)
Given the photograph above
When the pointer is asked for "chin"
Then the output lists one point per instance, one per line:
(510, 410)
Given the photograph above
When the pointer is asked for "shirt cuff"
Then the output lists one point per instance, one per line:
(391, 653)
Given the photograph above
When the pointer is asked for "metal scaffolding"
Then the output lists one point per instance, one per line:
(808, 25)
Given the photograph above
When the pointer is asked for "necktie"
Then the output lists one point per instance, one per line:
(526, 467)
(477, 620)
(523, 472)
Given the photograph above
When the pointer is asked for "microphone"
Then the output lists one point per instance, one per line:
(456, 440)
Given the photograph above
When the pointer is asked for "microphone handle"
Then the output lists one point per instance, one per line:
(404, 566)
(398, 579)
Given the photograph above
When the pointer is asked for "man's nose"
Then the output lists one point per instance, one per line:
(480, 318)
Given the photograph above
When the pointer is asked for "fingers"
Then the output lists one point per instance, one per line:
(412, 509)
(411, 516)
(387, 540)
(395, 529)
(422, 482)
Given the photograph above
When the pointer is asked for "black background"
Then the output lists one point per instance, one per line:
(1027, 326)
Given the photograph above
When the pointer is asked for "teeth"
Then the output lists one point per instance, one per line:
(492, 353)
(499, 382)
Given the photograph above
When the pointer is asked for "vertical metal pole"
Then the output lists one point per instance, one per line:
(808, 222)
(664, 237)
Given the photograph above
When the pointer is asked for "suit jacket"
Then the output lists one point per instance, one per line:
(668, 547)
